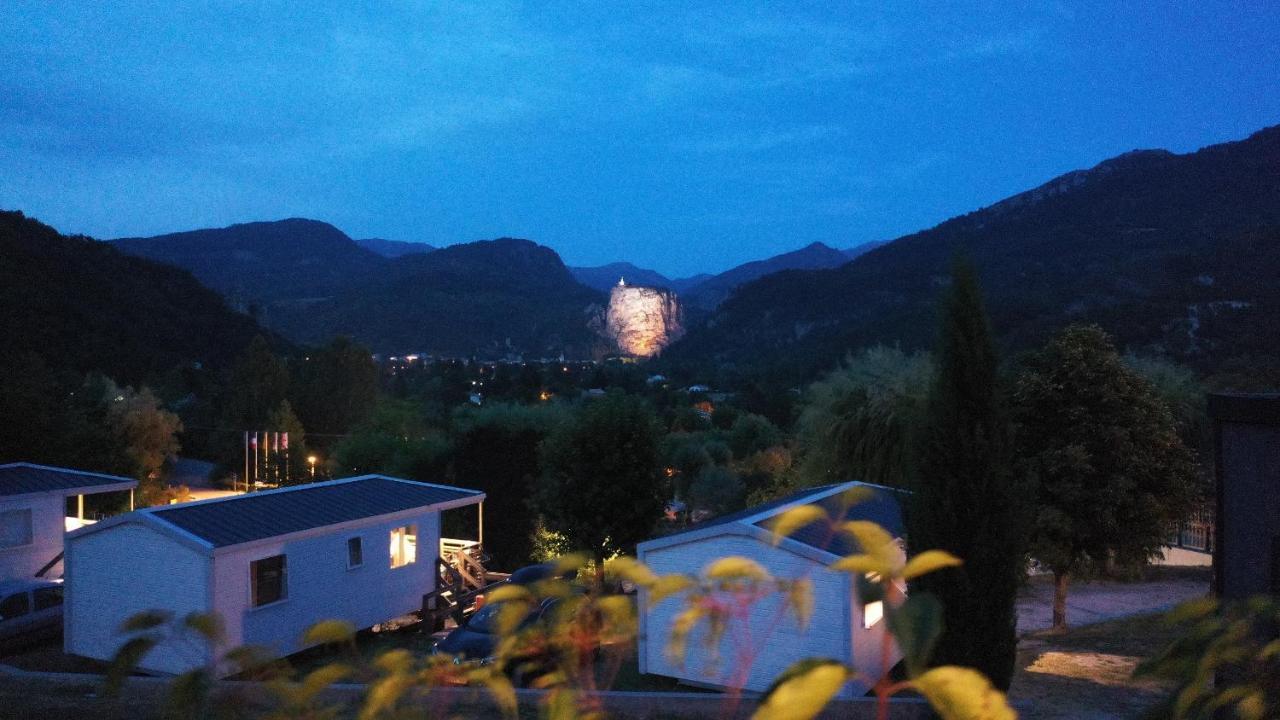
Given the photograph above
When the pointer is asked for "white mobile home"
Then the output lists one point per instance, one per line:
(270, 563)
(34, 515)
(840, 628)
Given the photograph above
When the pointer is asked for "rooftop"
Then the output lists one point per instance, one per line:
(256, 516)
(23, 478)
(881, 508)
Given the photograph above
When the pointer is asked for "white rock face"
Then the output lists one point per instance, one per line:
(642, 320)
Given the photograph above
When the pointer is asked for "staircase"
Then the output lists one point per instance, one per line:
(460, 577)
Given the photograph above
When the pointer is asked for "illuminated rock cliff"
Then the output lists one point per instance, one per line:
(642, 321)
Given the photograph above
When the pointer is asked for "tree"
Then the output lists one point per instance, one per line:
(861, 421)
(966, 500)
(259, 383)
(717, 490)
(751, 433)
(1103, 452)
(496, 450)
(337, 388)
(283, 420)
(147, 434)
(601, 487)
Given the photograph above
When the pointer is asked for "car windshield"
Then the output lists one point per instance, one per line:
(485, 620)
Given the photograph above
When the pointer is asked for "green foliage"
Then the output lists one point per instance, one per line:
(336, 387)
(84, 307)
(147, 433)
(601, 487)
(1228, 660)
(717, 490)
(397, 440)
(1103, 452)
(259, 383)
(862, 420)
(751, 433)
(495, 449)
(967, 501)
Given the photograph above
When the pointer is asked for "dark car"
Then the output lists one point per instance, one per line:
(30, 611)
(475, 640)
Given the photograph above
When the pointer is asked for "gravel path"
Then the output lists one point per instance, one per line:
(1093, 602)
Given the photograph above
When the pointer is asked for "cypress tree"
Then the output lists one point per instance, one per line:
(966, 500)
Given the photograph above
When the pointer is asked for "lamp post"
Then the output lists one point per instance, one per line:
(311, 460)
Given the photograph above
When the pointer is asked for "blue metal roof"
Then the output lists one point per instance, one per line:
(261, 515)
(881, 508)
(23, 478)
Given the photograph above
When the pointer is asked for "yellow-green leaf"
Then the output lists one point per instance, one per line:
(507, 593)
(861, 565)
(802, 696)
(669, 585)
(207, 625)
(499, 686)
(874, 540)
(737, 568)
(928, 561)
(800, 597)
(958, 693)
(1253, 707)
(794, 519)
(630, 569)
(681, 626)
(329, 631)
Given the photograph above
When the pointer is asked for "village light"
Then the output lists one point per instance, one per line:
(311, 460)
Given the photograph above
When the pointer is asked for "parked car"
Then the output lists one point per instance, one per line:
(476, 639)
(30, 611)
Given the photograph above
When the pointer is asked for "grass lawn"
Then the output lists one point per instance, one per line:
(1085, 673)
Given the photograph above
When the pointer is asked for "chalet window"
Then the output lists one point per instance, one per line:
(15, 528)
(872, 613)
(15, 605)
(404, 546)
(268, 577)
(355, 553)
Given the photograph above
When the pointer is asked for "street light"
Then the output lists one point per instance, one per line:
(311, 460)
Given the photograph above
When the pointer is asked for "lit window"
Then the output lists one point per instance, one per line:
(15, 528)
(404, 546)
(872, 613)
(355, 553)
(268, 580)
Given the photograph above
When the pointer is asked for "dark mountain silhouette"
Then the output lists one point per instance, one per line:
(83, 305)
(1174, 254)
(863, 249)
(709, 293)
(603, 277)
(261, 263)
(683, 284)
(487, 298)
(395, 248)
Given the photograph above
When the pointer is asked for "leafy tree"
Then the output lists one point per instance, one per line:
(496, 450)
(259, 383)
(337, 388)
(283, 420)
(751, 433)
(967, 502)
(397, 440)
(1103, 451)
(1180, 389)
(717, 490)
(862, 420)
(601, 486)
(147, 434)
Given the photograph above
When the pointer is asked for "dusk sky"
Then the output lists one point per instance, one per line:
(681, 139)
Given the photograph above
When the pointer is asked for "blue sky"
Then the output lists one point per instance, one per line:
(678, 136)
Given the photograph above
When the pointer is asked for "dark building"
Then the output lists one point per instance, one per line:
(1246, 432)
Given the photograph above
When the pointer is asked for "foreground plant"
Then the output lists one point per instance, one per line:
(568, 638)
(1228, 660)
